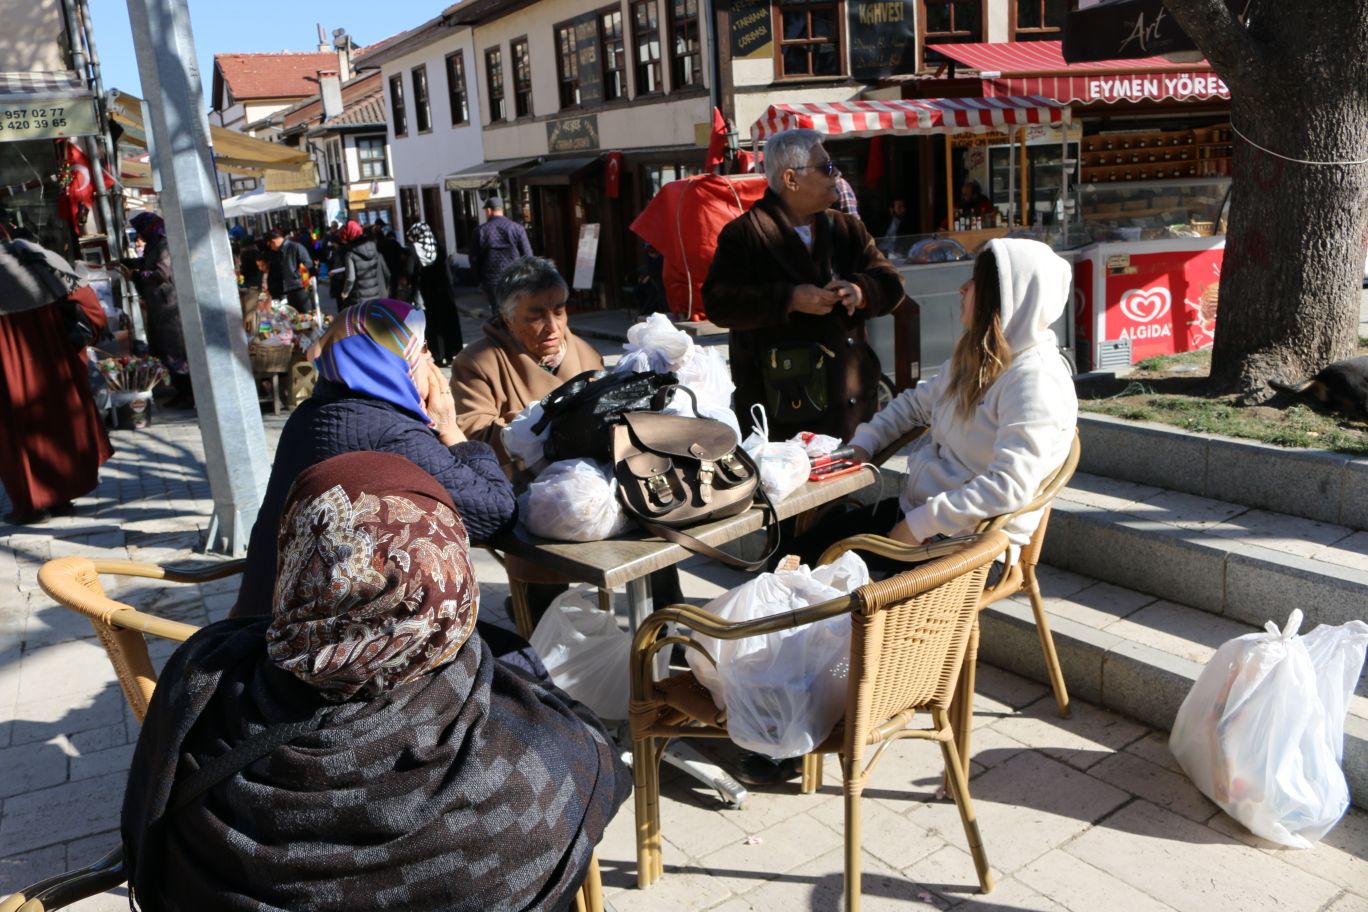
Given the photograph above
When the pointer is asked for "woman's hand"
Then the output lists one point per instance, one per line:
(850, 295)
(862, 455)
(440, 405)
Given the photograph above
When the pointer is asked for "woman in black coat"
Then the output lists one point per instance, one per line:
(426, 283)
(366, 276)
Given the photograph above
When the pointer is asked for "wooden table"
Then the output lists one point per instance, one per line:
(630, 559)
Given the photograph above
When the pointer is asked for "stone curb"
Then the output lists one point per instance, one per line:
(1312, 484)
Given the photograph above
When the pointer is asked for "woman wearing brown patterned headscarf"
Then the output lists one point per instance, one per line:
(378, 755)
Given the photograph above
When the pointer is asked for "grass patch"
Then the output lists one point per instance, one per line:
(1169, 362)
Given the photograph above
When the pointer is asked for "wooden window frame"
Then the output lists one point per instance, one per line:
(1045, 33)
(923, 39)
(606, 58)
(676, 59)
(457, 93)
(398, 110)
(422, 99)
(640, 66)
(410, 205)
(777, 14)
(522, 91)
(361, 161)
(494, 80)
(567, 86)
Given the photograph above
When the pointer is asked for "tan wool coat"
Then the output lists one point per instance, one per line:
(495, 378)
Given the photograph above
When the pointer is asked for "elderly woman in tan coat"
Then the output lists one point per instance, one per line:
(527, 352)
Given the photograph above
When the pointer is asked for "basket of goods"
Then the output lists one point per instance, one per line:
(131, 381)
(271, 330)
(1203, 227)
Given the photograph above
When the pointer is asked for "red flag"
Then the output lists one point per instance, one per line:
(77, 195)
(612, 175)
(874, 165)
(717, 143)
(745, 162)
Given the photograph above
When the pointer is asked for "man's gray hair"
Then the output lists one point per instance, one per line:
(789, 149)
(529, 275)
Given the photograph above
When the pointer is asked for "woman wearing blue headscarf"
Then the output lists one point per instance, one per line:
(378, 390)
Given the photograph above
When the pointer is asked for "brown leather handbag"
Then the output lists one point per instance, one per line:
(675, 471)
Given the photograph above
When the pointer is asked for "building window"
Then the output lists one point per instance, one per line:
(614, 54)
(686, 56)
(370, 153)
(522, 77)
(567, 65)
(949, 22)
(494, 77)
(410, 210)
(422, 111)
(1036, 20)
(646, 40)
(456, 88)
(397, 114)
(810, 39)
(658, 176)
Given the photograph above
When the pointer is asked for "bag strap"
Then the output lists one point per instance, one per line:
(690, 543)
(239, 758)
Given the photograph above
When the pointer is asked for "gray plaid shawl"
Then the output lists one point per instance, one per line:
(472, 788)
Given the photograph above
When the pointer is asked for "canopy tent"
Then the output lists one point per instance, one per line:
(683, 221)
(908, 116)
(282, 167)
(256, 202)
(1038, 68)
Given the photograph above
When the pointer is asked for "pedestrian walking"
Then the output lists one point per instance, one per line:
(427, 278)
(151, 275)
(365, 276)
(496, 244)
(295, 264)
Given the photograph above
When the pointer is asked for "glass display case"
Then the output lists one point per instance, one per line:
(1153, 209)
(1045, 170)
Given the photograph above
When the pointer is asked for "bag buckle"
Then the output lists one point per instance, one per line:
(706, 470)
(659, 489)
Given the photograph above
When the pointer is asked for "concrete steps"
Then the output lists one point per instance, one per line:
(1143, 582)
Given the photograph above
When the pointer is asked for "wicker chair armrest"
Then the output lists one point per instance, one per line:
(64, 889)
(894, 550)
(60, 579)
(145, 570)
(890, 450)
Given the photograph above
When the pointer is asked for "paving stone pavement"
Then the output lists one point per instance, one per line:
(1082, 814)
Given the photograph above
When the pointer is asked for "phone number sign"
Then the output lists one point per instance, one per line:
(38, 118)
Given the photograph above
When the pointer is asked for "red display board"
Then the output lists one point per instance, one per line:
(1165, 303)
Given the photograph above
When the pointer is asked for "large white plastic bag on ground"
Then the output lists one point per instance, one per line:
(1256, 735)
(585, 651)
(784, 465)
(783, 692)
(522, 443)
(575, 500)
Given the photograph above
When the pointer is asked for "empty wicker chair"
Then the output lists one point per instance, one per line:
(909, 636)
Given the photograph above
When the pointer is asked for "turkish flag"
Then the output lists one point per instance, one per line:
(874, 165)
(745, 162)
(717, 143)
(78, 188)
(612, 175)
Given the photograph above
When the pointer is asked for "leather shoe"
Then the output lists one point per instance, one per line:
(757, 769)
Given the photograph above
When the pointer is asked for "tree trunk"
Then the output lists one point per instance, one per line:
(1295, 244)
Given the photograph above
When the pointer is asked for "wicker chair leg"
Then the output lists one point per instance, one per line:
(589, 897)
(959, 791)
(1061, 691)
(646, 793)
(522, 611)
(812, 773)
(852, 846)
(962, 708)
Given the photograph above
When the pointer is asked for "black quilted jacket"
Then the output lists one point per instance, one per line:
(334, 421)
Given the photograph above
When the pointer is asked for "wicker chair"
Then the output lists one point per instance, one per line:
(909, 635)
(74, 582)
(1018, 575)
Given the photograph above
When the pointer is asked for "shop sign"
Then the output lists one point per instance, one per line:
(883, 39)
(1166, 303)
(1140, 87)
(573, 134)
(1126, 29)
(587, 51)
(29, 117)
(751, 32)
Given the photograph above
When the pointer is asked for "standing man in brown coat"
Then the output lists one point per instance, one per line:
(796, 281)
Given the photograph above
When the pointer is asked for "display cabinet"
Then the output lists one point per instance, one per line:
(1153, 209)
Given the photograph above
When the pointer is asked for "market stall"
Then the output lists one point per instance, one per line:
(919, 337)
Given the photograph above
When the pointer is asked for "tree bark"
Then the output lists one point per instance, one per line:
(1295, 244)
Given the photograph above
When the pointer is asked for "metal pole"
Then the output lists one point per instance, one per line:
(211, 315)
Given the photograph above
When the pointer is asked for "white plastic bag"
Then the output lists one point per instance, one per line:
(655, 345)
(585, 651)
(1261, 731)
(784, 466)
(575, 500)
(522, 443)
(785, 691)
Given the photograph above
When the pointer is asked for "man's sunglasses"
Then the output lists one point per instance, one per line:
(827, 167)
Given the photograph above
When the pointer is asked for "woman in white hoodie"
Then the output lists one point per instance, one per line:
(1001, 412)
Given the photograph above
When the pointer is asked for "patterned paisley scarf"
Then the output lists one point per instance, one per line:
(376, 349)
(375, 587)
(424, 242)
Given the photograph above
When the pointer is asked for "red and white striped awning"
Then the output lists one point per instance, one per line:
(908, 116)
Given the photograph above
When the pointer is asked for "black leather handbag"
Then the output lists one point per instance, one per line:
(582, 411)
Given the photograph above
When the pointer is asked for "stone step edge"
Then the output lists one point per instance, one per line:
(1123, 676)
(1311, 484)
(1222, 576)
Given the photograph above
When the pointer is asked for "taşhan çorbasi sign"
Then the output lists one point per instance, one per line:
(46, 118)
(883, 40)
(751, 32)
(587, 55)
(1142, 86)
(574, 134)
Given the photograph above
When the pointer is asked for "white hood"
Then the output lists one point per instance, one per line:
(1035, 290)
